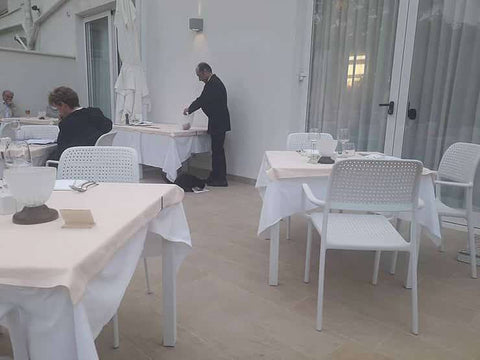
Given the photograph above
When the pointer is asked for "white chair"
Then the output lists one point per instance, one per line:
(38, 132)
(367, 186)
(102, 164)
(106, 139)
(297, 142)
(99, 163)
(457, 169)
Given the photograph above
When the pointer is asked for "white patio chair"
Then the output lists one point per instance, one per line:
(38, 132)
(106, 139)
(367, 186)
(297, 142)
(457, 169)
(102, 164)
(301, 141)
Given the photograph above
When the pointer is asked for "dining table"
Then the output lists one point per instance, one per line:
(59, 285)
(31, 120)
(162, 145)
(279, 183)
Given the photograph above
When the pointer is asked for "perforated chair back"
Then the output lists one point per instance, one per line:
(300, 141)
(38, 132)
(459, 163)
(374, 185)
(99, 163)
(106, 139)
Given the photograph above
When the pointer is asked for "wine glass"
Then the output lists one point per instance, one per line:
(313, 135)
(343, 137)
(17, 154)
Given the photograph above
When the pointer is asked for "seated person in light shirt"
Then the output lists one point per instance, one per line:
(7, 107)
(78, 126)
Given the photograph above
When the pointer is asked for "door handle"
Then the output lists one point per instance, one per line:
(411, 113)
(391, 107)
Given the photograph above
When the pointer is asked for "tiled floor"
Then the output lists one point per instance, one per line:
(226, 310)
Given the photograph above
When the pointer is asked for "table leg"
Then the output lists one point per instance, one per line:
(169, 322)
(274, 245)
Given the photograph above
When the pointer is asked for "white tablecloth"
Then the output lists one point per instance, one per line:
(32, 120)
(46, 323)
(162, 145)
(284, 197)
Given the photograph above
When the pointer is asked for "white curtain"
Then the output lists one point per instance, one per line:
(445, 83)
(352, 64)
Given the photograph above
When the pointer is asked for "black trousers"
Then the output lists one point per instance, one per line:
(219, 164)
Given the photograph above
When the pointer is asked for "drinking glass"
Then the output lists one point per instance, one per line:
(17, 154)
(27, 112)
(349, 149)
(343, 137)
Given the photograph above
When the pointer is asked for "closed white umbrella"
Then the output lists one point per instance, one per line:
(131, 86)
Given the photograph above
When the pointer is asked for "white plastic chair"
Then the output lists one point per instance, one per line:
(99, 163)
(38, 132)
(457, 169)
(297, 142)
(102, 164)
(106, 139)
(367, 186)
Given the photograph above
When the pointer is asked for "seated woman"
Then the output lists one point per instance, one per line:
(78, 126)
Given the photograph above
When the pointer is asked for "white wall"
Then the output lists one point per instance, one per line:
(32, 76)
(256, 47)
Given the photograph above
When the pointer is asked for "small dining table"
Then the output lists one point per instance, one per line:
(280, 180)
(162, 145)
(59, 286)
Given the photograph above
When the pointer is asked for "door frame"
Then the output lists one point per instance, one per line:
(112, 54)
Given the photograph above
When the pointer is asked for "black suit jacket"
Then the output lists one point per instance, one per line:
(213, 102)
(82, 127)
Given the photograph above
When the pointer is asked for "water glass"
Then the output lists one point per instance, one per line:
(349, 149)
(343, 137)
(17, 154)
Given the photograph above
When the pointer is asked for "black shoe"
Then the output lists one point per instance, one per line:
(219, 183)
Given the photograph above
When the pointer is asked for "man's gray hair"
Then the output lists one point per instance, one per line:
(7, 91)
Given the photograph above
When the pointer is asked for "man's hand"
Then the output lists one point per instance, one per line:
(185, 111)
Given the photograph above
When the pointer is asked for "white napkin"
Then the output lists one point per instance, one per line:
(64, 185)
(40, 141)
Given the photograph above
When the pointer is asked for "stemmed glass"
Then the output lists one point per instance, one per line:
(313, 136)
(343, 137)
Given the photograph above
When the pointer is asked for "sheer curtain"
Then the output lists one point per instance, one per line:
(445, 83)
(351, 69)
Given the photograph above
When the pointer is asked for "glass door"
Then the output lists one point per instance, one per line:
(357, 54)
(442, 105)
(98, 39)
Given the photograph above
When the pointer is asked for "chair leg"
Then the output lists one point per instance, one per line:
(288, 227)
(442, 240)
(306, 277)
(376, 266)
(393, 265)
(321, 285)
(473, 247)
(413, 269)
(147, 279)
(116, 333)
(415, 259)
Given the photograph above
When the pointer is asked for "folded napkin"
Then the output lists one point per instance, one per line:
(40, 141)
(64, 185)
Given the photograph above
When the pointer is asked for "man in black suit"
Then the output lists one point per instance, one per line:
(78, 126)
(213, 102)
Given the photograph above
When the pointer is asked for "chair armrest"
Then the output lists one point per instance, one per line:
(312, 197)
(452, 183)
(49, 163)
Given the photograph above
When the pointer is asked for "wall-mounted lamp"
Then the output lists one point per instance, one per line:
(36, 8)
(195, 24)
